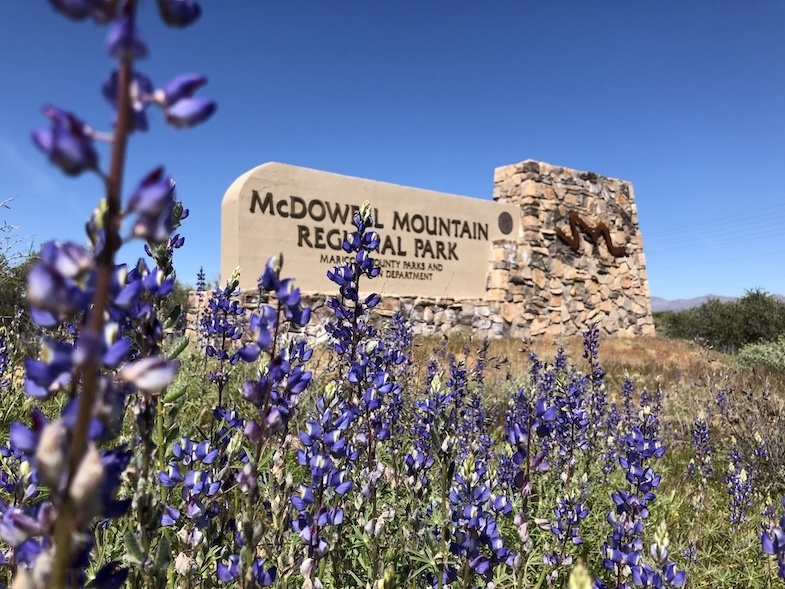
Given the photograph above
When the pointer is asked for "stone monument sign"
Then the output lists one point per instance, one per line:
(555, 250)
(432, 244)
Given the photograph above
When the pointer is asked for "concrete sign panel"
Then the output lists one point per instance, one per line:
(433, 244)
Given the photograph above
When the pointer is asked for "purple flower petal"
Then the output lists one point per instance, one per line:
(150, 374)
(182, 86)
(179, 13)
(124, 41)
(188, 112)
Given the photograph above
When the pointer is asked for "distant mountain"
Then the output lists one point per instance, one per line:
(659, 304)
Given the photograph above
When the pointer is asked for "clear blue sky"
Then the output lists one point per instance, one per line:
(686, 100)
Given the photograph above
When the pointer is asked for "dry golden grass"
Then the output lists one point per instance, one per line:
(649, 361)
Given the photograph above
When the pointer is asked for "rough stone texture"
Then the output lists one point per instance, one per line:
(563, 290)
(536, 284)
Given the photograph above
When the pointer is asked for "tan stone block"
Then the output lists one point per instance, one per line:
(538, 276)
(549, 193)
(530, 188)
(538, 326)
(554, 330)
(530, 221)
(568, 272)
(555, 316)
(498, 254)
(556, 300)
(510, 312)
(626, 281)
(498, 279)
(606, 306)
(546, 169)
(389, 304)
(503, 173)
(557, 267)
(648, 330)
(496, 294)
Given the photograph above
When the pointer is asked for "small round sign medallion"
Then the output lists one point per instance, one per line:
(505, 223)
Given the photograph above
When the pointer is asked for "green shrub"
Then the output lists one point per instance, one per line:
(756, 317)
(769, 355)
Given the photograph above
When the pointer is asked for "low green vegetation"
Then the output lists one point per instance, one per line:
(757, 317)
(770, 355)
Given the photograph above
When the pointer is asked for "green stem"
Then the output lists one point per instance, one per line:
(443, 550)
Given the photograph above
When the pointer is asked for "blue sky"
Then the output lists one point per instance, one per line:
(686, 100)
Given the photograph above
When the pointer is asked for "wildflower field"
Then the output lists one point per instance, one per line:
(238, 454)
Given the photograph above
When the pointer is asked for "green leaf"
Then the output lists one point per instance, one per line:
(172, 317)
(175, 393)
(134, 552)
(163, 555)
(177, 348)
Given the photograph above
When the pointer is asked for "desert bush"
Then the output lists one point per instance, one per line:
(728, 326)
(768, 356)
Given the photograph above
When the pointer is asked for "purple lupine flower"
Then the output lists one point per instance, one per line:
(179, 13)
(739, 487)
(474, 535)
(189, 112)
(773, 542)
(68, 143)
(623, 549)
(326, 454)
(700, 466)
(220, 326)
(123, 40)
(106, 306)
(100, 10)
(141, 91)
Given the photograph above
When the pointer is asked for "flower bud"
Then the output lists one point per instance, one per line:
(179, 13)
(579, 577)
(42, 569)
(189, 112)
(306, 568)
(51, 459)
(88, 478)
(183, 564)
